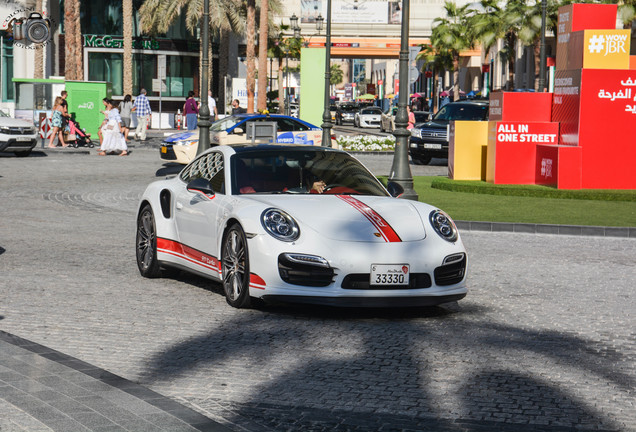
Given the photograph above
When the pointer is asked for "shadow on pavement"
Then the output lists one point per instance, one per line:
(369, 370)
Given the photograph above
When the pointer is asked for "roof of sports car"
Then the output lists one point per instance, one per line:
(240, 148)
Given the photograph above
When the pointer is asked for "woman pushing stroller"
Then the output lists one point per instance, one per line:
(113, 140)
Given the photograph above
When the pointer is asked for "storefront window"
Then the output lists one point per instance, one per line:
(107, 67)
(180, 71)
(144, 70)
(7, 70)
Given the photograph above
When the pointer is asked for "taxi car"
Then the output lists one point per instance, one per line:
(182, 147)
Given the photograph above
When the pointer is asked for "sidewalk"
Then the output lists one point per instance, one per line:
(45, 390)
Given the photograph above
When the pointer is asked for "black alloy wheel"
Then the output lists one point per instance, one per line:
(146, 245)
(236, 268)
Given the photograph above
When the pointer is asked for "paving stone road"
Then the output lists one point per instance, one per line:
(544, 341)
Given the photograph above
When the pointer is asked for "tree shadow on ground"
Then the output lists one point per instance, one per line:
(436, 369)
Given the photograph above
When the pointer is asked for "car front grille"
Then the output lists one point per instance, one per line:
(304, 274)
(13, 130)
(433, 133)
(361, 281)
(450, 274)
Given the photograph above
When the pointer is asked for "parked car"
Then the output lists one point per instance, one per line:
(368, 117)
(17, 136)
(346, 112)
(387, 121)
(301, 224)
(182, 147)
(430, 139)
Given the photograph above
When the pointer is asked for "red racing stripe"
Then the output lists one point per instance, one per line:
(177, 249)
(388, 234)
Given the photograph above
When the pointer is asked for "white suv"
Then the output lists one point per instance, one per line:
(17, 136)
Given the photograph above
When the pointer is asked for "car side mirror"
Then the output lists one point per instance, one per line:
(394, 189)
(238, 131)
(202, 186)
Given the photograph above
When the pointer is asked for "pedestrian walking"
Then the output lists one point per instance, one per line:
(191, 110)
(212, 106)
(56, 123)
(114, 142)
(142, 108)
(125, 110)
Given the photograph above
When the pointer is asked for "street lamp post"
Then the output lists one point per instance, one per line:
(542, 55)
(204, 112)
(401, 171)
(326, 115)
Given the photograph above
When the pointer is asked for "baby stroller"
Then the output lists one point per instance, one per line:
(77, 136)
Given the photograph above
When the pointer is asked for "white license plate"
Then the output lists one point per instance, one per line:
(24, 139)
(433, 146)
(389, 274)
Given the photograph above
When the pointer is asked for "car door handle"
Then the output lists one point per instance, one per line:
(179, 206)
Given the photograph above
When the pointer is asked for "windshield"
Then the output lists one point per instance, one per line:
(462, 112)
(295, 171)
(349, 108)
(225, 123)
(371, 111)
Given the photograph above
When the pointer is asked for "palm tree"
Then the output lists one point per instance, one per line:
(435, 61)
(156, 17)
(453, 34)
(335, 74)
(127, 12)
(262, 54)
(73, 66)
(250, 35)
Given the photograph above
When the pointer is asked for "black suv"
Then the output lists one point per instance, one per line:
(430, 139)
(346, 112)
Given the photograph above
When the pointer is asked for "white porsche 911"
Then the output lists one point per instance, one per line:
(302, 225)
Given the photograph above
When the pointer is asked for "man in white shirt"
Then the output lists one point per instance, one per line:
(212, 105)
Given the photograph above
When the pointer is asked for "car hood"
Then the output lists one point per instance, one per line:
(180, 136)
(13, 122)
(352, 217)
(434, 124)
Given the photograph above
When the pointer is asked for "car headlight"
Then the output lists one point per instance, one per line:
(416, 133)
(4, 128)
(186, 142)
(280, 225)
(443, 225)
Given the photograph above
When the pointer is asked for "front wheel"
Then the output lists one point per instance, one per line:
(236, 268)
(425, 160)
(147, 244)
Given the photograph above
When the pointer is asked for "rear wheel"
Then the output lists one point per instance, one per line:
(147, 244)
(236, 268)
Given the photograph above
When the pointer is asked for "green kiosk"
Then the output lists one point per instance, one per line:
(85, 102)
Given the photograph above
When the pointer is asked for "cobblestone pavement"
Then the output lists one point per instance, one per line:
(544, 341)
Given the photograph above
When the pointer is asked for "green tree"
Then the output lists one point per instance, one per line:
(336, 74)
(452, 34)
(435, 61)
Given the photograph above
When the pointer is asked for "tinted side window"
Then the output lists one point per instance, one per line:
(288, 125)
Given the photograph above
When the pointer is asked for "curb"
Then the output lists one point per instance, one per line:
(528, 228)
(187, 415)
